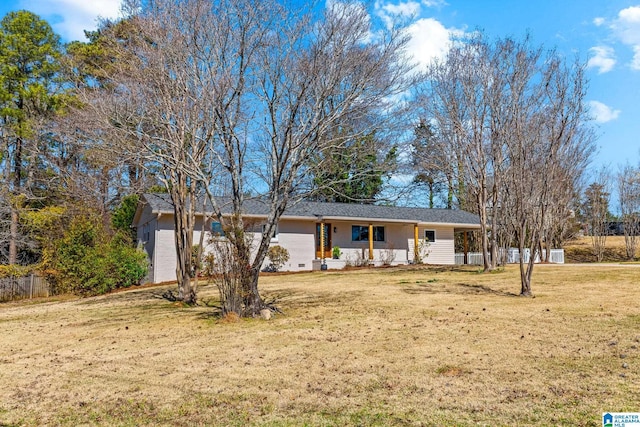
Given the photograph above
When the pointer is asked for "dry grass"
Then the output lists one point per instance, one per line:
(581, 250)
(375, 347)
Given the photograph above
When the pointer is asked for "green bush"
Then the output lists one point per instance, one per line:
(87, 261)
(122, 215)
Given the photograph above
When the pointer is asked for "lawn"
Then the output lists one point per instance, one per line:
(397, 346)
(581, 250)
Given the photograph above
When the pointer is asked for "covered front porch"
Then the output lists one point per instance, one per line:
(344, 243)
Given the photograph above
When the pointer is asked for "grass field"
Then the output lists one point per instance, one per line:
(400, 346)
(581, 250)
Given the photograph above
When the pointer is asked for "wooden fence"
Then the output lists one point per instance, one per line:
(15, 288)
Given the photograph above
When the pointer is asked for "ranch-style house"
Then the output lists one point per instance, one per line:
(363, 234)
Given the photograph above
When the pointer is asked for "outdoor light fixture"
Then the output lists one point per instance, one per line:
(335, 230)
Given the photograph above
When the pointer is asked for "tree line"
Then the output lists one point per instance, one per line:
(243, 99)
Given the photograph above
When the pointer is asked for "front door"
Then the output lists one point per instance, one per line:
(327, 241)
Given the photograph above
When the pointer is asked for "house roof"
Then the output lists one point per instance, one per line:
(161, 203)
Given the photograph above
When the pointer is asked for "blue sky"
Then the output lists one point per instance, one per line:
(604, 32)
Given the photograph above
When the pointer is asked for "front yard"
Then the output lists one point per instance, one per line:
(395, 346)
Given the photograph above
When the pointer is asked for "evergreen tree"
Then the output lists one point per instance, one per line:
(29, 94)
(354, 172)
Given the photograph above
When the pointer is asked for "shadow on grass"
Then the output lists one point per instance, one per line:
(456, 288)
(132, 295)
(431, 268)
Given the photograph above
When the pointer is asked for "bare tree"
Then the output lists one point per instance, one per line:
(515, 121)
(549, 153)
(629, 197)
(244, 92)
(595, 209)
(455, 101)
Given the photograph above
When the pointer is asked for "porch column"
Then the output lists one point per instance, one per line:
(370, 242)
(322, 241)
(416, 249)
(466, 248)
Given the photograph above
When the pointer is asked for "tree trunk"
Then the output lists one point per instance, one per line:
(13, 236)
(494, 228)
(184, 240)
(104, 197)
(483, 231)
(431, 196)
(252, 301)
(526, 270)
(525, 277)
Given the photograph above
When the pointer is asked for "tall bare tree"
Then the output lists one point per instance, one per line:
(629, 197)
(458, 99)
(549, 153)
(243, 92)
(595, 210)
(515, 122)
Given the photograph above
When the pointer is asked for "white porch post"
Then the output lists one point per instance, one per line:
(370, 242)
(416, 248)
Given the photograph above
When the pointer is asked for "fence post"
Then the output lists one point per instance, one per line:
(31, 287)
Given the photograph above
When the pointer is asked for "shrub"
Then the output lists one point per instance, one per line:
(388, 255)
(278, 257)
(15, 270)
(122, 215)
(86, 261)
(128, 265)
(336, 252)
(209, 264)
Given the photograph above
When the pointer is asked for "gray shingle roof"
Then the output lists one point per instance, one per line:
(314, 210)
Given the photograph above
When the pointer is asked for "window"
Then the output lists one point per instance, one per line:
(146, 232)
(430, 235)
(217, 230)
(360, 233)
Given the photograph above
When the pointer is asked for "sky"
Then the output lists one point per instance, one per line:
(604, 33)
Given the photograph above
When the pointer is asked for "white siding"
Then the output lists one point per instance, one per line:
(439, 252)
(146, 238)
(298, 237)
(165, 254)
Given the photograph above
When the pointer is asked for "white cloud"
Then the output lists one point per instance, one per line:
(434, 3)
(598, 21)
(630, 14)
(603, 59)
(626, 28)
(602, 113)
(429, 40)
(70, 18)
(393, 14)
(635, 62)
(406, 9)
